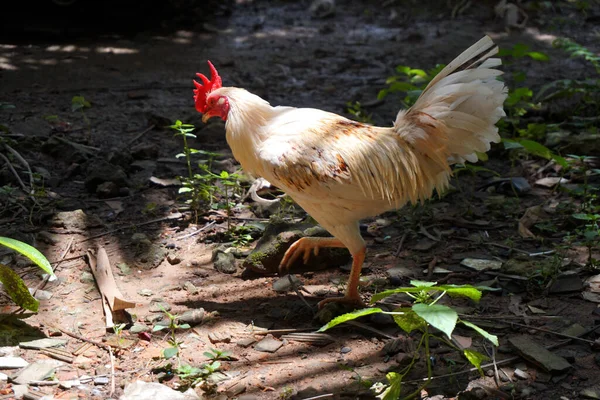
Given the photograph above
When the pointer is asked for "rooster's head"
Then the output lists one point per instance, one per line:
(210, 106)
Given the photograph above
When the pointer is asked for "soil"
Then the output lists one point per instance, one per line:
(136, 74)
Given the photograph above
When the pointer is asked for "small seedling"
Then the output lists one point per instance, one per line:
(217, 354)
(173, 326)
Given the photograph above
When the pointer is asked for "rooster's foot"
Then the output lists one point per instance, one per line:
(353, 300)
(304, 247)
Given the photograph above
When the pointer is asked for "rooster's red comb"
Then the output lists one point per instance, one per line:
(202, 91)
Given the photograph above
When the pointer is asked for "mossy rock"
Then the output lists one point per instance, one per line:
(278, 237)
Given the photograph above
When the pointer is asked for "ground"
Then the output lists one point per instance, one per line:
(89, 109)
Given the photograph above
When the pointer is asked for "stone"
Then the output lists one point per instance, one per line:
(38, 371)
(481, 264)
(219, 337)
(287, 283)
(42, 343)
(190, 288)
(537, 354)
(140, 390)
(137, 328)
(567, 284)
(268, 345)
(193, 317)
(159, 306)
(246, 342)
(278, 237)
(10, 362)
(225, 262)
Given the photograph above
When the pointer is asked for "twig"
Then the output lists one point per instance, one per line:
(12, 169)
(321, 396)
(369, 328)
(399, 249)
(76, 336)
(130, 226)
(295, 287)
(61, 258)
(554, 333)
(277, 331)
(23, 162)
(139, 135)
(205, 227)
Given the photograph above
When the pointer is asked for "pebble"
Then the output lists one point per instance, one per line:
(345, 350)
(10, 362)
(219, 337)
(137, 328)
(101, 380)
(145, 292)
(159, 306)
(268, 345)
(246, 342)
(42, 343)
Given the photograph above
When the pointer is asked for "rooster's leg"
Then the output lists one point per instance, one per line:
(304, 247)
(352, 296)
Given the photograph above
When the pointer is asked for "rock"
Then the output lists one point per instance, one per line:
(219, 337)
(268, 345)
(10, 362)
(590, 393)
(151, 256)
(345, 350)
(99, 171)
(193, 317)
(141, 390)
(159, 306)
(137, 328)
(481, 265)
(75, 220)
(278, 237)
(566, 284)
(246, 342)
(107, 190)
(3, 377)
(286, 284)
(42, 343)
(190, 287)
(173, 260)
(539, 355)
(145, 292)
(224, 262)
(20, 391)
(521, 374)
(101, 380)
(38, 371)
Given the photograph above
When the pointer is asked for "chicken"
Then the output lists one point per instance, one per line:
(341, 171)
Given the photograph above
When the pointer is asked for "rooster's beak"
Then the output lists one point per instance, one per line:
(206, 117)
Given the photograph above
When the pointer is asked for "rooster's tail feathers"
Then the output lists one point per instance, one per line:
(455, 116)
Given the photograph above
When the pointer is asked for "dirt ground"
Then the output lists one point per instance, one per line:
(139, 82)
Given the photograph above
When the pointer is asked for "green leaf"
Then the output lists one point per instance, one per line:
(475, 358)
(17, 290)
(157, 328)
(408, 321)
(28, 251)
(585, 217)
(482, 332)
(184, 326)
(349, 316)
(393, 391)
(538, 56)
(170, 352)
(422, 284)
(441, 317)
(462, 290)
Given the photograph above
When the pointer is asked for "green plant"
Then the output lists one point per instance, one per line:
(79, 103)
(173, 326)
(409, 80)
(230, 184)
(194, 376)
(198, 187)
(217, 354)
(358, 112)
(13, 284)
(425, 316)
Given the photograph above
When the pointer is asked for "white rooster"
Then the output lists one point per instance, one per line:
(341, 171)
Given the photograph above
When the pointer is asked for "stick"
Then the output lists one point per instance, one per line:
(205, 227)
(139, 135)
(176, 216)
